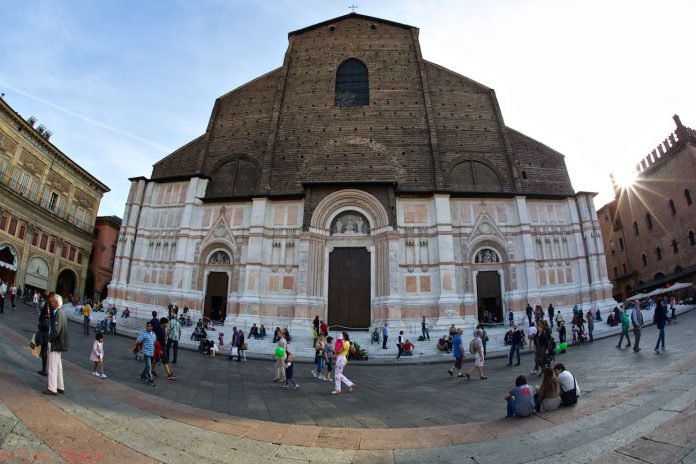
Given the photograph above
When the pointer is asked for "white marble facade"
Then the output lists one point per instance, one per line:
(544, 250)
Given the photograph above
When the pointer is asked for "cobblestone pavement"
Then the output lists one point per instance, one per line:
(635, 408)
(387, 396)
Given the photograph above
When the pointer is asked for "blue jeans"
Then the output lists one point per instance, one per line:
(515, 348)
(660, 338)
(511, 406)
(147, 371)
(320, 365)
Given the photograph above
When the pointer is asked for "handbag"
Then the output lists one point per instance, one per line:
(570, 397)
(244, 346)
(35, 349)
(235, 351)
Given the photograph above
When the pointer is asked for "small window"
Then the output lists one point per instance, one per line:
(672, 207)
(692, 238)
(648, 220)
(53, 201)
(687, 195)
(644, 259)
(675, 247)
(635, 229)
(524, 175)
(352, 84)
(621, 244)
(658, 252)
(612, 247)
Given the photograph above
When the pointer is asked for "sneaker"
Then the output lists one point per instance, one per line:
(335, 392)
(95, 373)
(314, 373)
(171, 377)
(532, 372)
(450, 372)
(144, 379)
(328, 379)
(284, 386)
(295, 387)
(152, 384)
(103, 376)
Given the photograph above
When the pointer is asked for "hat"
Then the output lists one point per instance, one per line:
(339, 336)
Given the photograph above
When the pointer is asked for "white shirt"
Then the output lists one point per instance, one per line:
(567, 381)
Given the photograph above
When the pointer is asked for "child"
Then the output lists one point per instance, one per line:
(97, 355)
(574, 331)
(148, 339)
(329, 358)
(289, 372)
(319, 357)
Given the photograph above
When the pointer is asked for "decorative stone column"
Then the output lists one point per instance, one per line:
(449, 304)
(250, 300)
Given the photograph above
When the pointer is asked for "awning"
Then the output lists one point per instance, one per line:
(15, 259)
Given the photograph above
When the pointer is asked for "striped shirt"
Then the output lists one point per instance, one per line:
(148, 339)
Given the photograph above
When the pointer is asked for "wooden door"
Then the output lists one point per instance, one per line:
(349, 288)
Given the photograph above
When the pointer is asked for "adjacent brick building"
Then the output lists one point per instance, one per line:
(47, 208)
(649, 227)
(101, 260)
(362, 183)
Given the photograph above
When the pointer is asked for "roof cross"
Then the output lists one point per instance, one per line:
(352, 8)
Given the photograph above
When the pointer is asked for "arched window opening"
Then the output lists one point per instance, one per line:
(675, 247)
(352, 84)
(648, 220)
(644, 259)
(672, 207)
(658, 252)
(474, 176)
(687, 195)
(524, 175)
(692, 238)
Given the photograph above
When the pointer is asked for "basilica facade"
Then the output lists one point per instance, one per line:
(364, 184)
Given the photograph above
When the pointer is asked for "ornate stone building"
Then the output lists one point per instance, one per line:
(47, 209)
(649, 227)
(361, 183)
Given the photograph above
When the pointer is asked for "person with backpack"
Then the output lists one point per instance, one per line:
(624, 330)
(517, 338)
(476, 347)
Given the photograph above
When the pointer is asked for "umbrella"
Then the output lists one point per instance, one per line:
(637, 296)
(657, 291)
(679, 286)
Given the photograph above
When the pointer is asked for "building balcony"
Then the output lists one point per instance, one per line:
(16, 189)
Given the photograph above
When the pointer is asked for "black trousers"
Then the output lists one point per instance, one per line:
(384, 341)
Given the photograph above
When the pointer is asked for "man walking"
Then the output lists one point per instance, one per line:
(385, 335)
(624, 330)
(637, 322)
(660, 320)
(551, 312)
(3, 292)
(517, 335)
(425, 330)
(174, 334)
(57, 343)
(458, 351)
(529, 312)
(85, 318)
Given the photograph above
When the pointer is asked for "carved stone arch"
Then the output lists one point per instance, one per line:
(346, 200)
(336, 155)
(488, 241)
(473, 172)
(234, 175)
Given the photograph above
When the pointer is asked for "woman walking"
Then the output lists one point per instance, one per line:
(342, 349)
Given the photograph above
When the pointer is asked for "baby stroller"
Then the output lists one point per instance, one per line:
(101, 327)
(582, 338)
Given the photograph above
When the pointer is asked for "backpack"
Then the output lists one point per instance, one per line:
(472, 346)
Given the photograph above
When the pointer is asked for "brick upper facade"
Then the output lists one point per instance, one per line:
(282, 131)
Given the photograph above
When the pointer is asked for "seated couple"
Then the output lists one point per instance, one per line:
(256, 332)
(444, 344)
(558, 388)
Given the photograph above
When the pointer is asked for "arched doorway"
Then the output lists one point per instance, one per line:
(489, 294)
(36, 276)
(9, 260)
(217, 285)
(216, 296)
(66, 283)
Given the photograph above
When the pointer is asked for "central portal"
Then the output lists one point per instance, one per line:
(489, 302)
(216, 296)
(349, 288)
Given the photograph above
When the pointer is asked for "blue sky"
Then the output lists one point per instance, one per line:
(123, 83)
